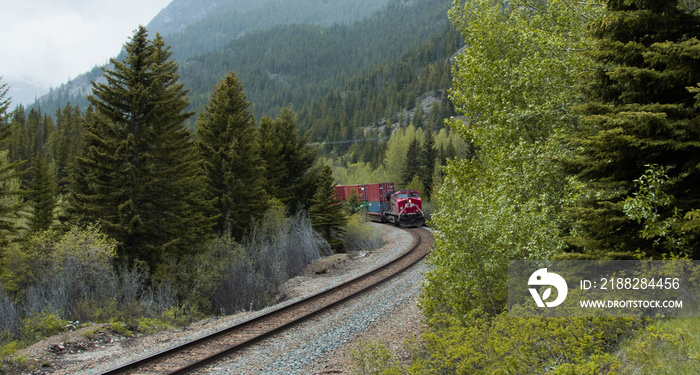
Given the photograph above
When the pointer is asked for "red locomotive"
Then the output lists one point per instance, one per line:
(383, 204)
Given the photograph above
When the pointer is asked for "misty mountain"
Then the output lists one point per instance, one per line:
(227, 23)
(179, 14)
(290, 63)
(193, 27)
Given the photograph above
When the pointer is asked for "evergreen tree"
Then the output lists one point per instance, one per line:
(65, 143)
(327, 215)
(228, 143)
(271, 152)
(140, 175)
(43, 192)
(428, 155)
(288, 159)
(418, 116)
(10, 192)
(640, 112)
(412, 162)
(4, 101)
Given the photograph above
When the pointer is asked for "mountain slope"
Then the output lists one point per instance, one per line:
(179, 14)
(294, 63)
(199, 26)
(229, 23)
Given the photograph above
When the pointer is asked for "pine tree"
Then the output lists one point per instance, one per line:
(228, 143)
(640, 112)
(411, 163)
(327, 215)
(140, 175)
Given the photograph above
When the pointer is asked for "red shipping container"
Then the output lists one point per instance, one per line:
(340, 192)
(344, 192)
(377, 192)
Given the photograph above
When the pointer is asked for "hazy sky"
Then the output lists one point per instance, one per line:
(50, 41)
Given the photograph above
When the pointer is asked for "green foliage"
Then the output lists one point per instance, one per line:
(646, 205)
(43, 324)
(11, 203)
(43, 194)
(4, 101)
(361, 235)
(411, 165)
(139, 174)
(149, 326)
(121, 328)
(353, 205)
(229, 145)
(228, 23)
(296, 73)
(513, 84)
(393, 162)
(670, 346)
(327, 215)
(504, 344)
(641, 110)
(426, 167)
(288, 160)
(8, 349)
(373, 358)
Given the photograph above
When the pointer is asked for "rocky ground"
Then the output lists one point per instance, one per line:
(320, 345)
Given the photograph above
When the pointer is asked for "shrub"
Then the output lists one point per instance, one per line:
(670, 346)
(40, 325)
(233, 276)
(373, 358)
(361, 235)
(521, 345)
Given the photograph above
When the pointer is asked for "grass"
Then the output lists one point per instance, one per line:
(669, 346)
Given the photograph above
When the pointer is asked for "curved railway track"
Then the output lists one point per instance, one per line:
(203, 351)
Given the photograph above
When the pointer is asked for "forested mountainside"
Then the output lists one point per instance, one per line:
(199, 26)
(295, 64)
(227, 23)
(413, 89)
(291, 64)
(179, 14)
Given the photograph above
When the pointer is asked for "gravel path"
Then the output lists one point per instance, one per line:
(322, 344)
(319, 345)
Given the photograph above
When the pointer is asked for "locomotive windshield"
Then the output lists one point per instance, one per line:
(412, 194)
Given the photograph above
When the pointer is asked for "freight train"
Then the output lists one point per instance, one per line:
(384, 204)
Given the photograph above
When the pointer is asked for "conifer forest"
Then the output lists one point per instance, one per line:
(193, 178)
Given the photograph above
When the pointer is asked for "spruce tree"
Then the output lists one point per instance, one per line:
(326, 212)
(428, 154)
(140, 175)
(10, 185)
(288, 159)
(411, 163)
(228, 142)
(640, 112)
(43, 192)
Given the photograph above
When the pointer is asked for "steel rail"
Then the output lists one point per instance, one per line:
(415, 251)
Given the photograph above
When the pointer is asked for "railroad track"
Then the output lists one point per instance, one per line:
(203, 351)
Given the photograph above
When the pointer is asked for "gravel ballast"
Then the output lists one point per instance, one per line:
(320, 345)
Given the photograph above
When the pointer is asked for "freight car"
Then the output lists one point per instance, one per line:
(384, 204)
